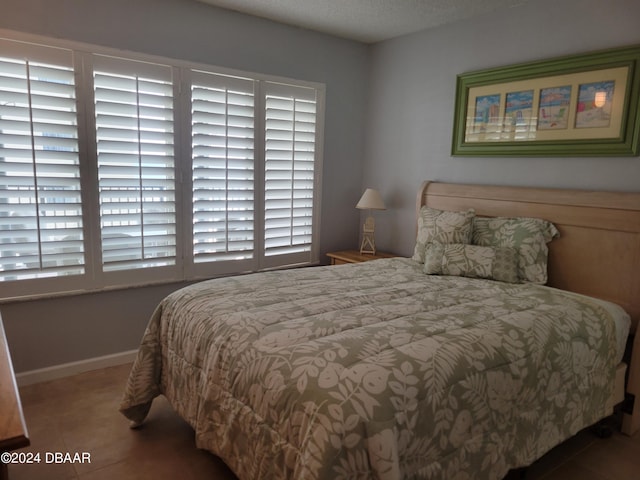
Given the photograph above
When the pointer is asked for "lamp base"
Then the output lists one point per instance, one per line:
(368, 244)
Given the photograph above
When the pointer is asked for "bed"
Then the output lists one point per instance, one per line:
(380, 370)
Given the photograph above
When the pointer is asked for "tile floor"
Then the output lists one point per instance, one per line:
(80, 414)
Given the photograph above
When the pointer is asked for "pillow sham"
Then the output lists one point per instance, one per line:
(529, 236)
(442, 226)
(495, 263)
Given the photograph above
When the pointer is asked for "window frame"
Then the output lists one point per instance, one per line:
(185, 269)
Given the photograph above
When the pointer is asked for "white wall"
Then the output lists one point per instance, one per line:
(69, 329)
(413, 92)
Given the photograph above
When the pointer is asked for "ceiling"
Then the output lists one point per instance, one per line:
(367, 21)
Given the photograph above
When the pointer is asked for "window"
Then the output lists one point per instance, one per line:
(223, 155)
(120, 171)
(290, 120)
(136, 163)
(41, 227)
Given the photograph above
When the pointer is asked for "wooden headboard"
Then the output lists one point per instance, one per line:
(598, 252)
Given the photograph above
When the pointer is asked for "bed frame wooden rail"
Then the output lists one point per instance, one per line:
(597, 254)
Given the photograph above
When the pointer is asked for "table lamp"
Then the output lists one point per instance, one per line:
(370, 200)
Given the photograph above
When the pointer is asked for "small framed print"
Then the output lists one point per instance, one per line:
(594, 104)
(553, 110)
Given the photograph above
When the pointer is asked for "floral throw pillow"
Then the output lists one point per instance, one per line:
(442, 226)
(529, 236)
(495, 263)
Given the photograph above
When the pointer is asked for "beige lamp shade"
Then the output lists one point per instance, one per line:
(371, 200)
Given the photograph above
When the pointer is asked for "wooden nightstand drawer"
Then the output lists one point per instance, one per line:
(354, 256)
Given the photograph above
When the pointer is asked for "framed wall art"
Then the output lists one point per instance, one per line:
(569, 106)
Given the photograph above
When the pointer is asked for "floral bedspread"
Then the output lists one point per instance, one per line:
(375, 370)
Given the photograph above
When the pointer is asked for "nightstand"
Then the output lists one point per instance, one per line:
(354, 256)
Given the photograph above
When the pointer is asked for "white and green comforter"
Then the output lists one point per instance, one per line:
(375, 370)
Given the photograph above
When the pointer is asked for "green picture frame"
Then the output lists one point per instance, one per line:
(580, 105)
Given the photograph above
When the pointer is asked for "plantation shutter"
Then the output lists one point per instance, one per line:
(222, 137)
(40, 200)
(121, 169)
(136, 164)
(290, 152)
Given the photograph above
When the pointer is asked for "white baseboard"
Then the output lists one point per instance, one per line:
(67, 369)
